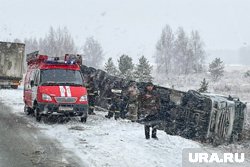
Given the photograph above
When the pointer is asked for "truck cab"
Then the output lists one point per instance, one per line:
(55, 87)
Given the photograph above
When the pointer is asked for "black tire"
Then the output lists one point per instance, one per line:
(14, 86)
(28, 110)
(83, 119)
(37, 114)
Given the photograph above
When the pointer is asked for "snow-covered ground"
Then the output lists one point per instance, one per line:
(103, 142)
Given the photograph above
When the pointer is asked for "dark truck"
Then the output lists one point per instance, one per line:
(11, 64)
(209, 118)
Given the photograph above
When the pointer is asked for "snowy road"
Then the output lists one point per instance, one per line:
(22, 144)
(103, 142)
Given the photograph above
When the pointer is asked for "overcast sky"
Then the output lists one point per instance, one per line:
(129, 26)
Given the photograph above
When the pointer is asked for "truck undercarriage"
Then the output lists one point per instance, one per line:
(204, 117)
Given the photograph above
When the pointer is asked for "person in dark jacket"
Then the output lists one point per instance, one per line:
(149, 109)
(115, 99)
(92, 93)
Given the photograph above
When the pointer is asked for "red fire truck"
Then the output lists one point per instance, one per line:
(55, 87)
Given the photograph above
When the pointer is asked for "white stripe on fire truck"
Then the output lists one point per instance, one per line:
(62, 91)
(68, 91)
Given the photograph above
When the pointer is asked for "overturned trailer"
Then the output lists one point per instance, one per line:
(204, 117)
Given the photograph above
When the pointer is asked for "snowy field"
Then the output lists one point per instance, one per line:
(102, 142)
(232, 83)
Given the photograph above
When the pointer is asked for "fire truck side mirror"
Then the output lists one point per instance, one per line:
(32, 83)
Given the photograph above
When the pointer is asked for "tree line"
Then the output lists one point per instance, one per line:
(58, 42)
(178, 52)
(175, 53)
(183, 53)
(126, 69)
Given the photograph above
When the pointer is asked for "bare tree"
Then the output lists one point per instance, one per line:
(178, 53)
(93, 53)
(164, 50)
(31, 45)
(197, 51)
(57, 42)
(181, 52)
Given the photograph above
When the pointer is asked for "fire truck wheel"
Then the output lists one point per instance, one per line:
(28, 110)
(83, 119)
(14, 86)
(37, 114)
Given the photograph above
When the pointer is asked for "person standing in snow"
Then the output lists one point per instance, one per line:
(132, 102)
(115, 96)
(92, 93)
(149, 109)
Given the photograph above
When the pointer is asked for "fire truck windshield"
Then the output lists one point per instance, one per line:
(61, 77)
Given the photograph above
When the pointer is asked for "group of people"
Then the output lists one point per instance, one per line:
(131, 104)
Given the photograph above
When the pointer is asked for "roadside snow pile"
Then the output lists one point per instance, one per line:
(103, 142)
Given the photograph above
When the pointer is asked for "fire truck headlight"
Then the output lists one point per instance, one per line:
(84, 98)
(46, 97)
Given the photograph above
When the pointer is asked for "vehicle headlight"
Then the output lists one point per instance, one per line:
(46, 97)
(84, 98)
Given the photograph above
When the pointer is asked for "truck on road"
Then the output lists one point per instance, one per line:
(11, 64)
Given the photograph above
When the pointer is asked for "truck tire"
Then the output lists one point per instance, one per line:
(83, 119)
(37, 114)
(14, 86)
(28, 110)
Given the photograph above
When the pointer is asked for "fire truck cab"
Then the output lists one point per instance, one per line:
(54, 87)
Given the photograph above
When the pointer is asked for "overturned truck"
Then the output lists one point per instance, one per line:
(204, 117)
